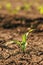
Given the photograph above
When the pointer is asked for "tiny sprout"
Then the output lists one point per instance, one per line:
(8, 6)
(16, 10)
(23, 43)
(40, 8)
(26, 6)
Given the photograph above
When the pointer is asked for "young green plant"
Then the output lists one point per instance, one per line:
(26, 6)
(40, 8)
(8, 7)
(23, 43)
(16, 10)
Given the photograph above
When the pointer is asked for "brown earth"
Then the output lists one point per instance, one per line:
(12, 27)
(12, 54)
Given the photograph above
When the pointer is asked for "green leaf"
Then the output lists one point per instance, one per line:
(8, 6)
(31, 30)
(17, 42)
(23, 43)
(27, 34)
(23, 47)
(40, 8)
(26, 6)
(24, 38)
(18, 8)
(14, 11)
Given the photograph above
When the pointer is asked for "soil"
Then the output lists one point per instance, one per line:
(12, 27)
(11, 54)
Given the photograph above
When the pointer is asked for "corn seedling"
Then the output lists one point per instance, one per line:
(8, 6)
(26, 6)
(16, 10)
(40, 8)
(23, 43)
